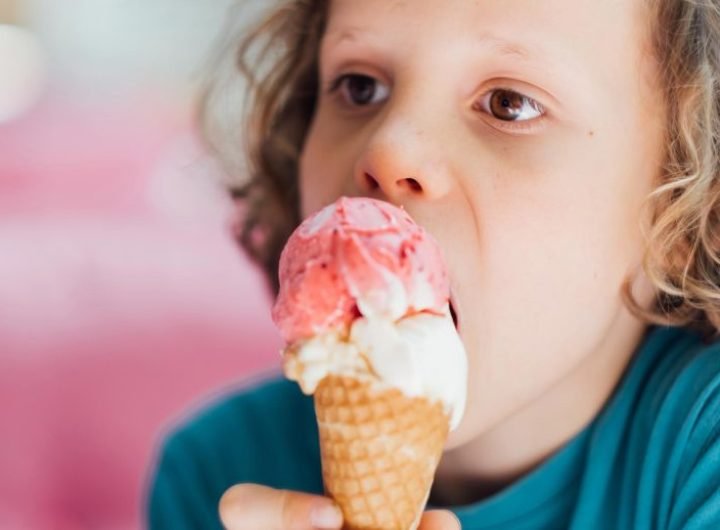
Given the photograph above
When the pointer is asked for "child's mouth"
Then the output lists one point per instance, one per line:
(453, 313)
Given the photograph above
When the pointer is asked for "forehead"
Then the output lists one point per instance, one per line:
(524, 28)
(461, 14)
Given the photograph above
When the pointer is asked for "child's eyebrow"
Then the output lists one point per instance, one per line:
(350, 33)
(507, 47)
(498, 45)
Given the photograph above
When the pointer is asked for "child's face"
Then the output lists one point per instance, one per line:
(524, 136)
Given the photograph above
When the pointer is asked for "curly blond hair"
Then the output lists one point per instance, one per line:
(682, 256)
(278, 60)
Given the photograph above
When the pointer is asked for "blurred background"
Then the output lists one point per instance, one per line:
(124, 303)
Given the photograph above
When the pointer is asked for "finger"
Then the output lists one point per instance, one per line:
(439, 520)
(250, 506)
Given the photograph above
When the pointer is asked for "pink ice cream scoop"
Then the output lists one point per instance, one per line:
(357, 256)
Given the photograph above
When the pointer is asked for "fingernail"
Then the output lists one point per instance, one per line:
(326, 516)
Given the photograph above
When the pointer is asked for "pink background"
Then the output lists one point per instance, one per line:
(124, 303)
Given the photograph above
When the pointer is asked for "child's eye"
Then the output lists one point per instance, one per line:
(360, 90)
(508, 105)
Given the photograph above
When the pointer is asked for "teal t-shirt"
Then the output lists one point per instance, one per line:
(649, 460)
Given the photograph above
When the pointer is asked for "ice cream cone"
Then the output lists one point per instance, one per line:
(364, 309)
(380, 449)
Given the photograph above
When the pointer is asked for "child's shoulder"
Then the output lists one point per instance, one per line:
(683, 370)
(264, 412)
(266, 402)
(674, 381)
(656, 444)
(664, 430)
(263, 432)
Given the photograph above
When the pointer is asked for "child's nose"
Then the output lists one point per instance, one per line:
(401, 162)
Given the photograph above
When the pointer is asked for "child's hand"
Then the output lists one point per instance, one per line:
(250, 506)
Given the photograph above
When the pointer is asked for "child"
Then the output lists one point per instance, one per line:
(565, 155)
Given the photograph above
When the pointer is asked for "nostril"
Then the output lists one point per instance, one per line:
(413, 184)
(372, 184)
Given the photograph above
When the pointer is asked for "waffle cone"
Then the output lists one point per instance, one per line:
(379, 451)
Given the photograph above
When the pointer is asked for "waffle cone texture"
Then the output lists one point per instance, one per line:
(379, 449)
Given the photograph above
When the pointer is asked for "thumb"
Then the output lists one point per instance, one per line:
(439, 520)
